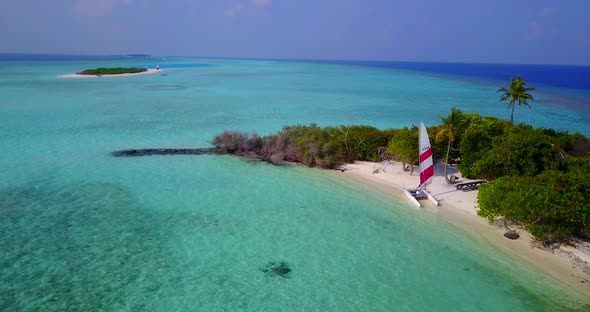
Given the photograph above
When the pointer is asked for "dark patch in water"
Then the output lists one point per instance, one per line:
(164, 151)
(75, 247)
(87, 247)
(556, 114)
(277, 269)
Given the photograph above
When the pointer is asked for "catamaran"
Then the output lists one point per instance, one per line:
(426, 170)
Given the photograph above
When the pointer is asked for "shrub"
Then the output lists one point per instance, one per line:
(520, 151)
(404, 145)
(553, 204)
(311, 145)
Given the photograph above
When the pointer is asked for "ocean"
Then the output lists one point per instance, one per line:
(84, 231)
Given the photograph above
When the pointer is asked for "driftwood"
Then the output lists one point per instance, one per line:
(408, 167)
(384, 156)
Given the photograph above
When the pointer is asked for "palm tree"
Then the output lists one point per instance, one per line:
(448, 130)
(517, 92)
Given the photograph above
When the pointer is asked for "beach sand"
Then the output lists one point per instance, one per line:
(565, 264)
(148, 72)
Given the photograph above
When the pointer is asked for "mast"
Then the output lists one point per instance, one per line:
(426, 164)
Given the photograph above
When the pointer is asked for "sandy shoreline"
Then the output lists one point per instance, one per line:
(460, 208)
(148, 72)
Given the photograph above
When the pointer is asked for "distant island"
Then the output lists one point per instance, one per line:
(139, 55)
(112, 71)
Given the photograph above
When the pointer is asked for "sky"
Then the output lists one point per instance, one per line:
(490, 31)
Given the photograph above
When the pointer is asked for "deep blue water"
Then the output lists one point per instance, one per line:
(563, 76)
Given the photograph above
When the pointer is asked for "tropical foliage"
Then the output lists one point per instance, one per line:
(519, 151)
(553, 205)
(476, 142)
(516, 92)
(310, 145)
(448, 130)
(538, 177)
(404, 147)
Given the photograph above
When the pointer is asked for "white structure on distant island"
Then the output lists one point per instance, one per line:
(157, 67)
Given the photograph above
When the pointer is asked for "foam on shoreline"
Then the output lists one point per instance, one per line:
(148, 72)
(460, 208)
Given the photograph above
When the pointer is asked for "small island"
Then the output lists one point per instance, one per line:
(112, 71)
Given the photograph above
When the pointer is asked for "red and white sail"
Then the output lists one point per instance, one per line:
(426, 164)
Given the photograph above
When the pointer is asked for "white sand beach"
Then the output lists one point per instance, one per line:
(148, 72)
(567, 264)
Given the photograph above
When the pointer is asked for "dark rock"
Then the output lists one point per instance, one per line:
(511, 235)
(281, 270)
(277, 269)
(164, 151)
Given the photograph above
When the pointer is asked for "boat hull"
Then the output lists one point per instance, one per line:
(432, 199)
(412, 198)
(415, 196)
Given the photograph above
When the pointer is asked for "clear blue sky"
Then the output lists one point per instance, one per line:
(490, 31)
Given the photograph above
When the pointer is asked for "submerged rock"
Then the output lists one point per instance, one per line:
(164, 151)
(277, 269)
(511, 235)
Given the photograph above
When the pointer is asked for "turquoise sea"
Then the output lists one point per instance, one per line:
(81, 230)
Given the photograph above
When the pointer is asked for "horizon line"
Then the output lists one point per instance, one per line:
(291, 59)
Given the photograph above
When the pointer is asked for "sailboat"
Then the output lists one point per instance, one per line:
(426, 170)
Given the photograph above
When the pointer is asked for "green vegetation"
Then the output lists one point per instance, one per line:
(403, 146)
(112, 71)
(311, 145)
(536, 182)
(553, 205)
(538, 178)
(475, 142)
(450, 125)
(521, 151)
(517, 92)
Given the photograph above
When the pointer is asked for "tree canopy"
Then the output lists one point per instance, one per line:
(404, 146)
(516, 92)
(448, 130)
(553, 205)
